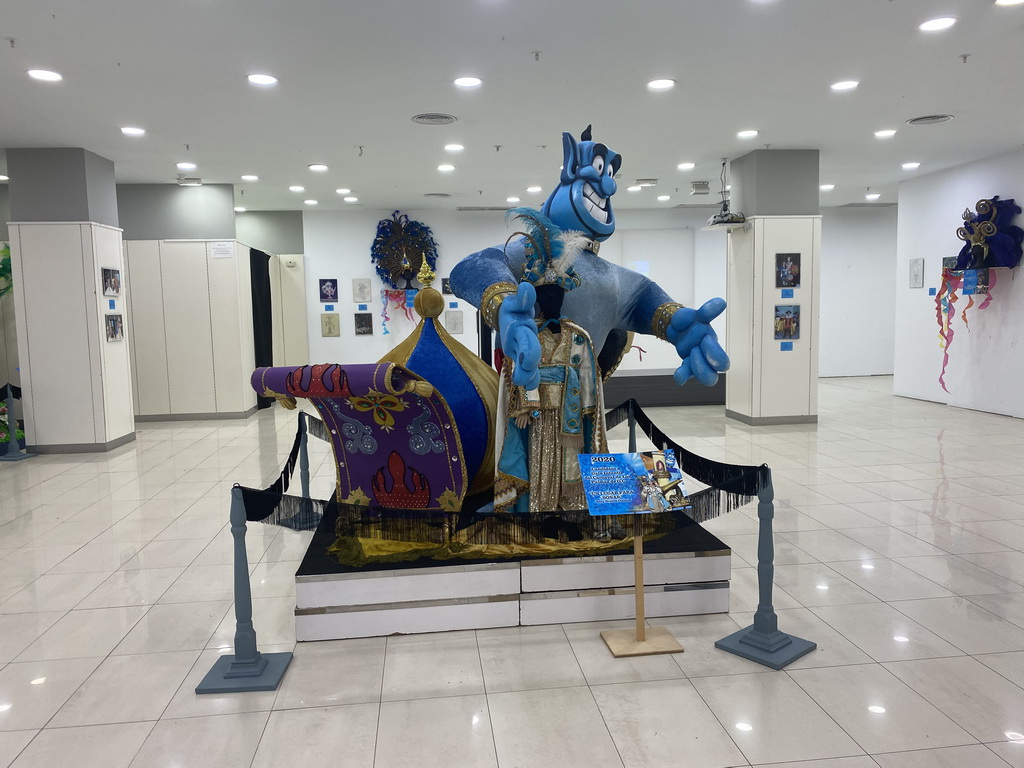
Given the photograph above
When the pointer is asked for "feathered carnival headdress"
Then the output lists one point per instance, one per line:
(550, 250)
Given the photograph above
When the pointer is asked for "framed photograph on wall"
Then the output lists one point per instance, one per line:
(787, 270)
(917, 273)
(330, 324)
(111, 281)
(328, 291)
(361, 290)
(113, 326)
(446, 286)
(787, 321)
(453, 321)
(364, 324)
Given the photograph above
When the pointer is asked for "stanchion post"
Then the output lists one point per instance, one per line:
(13, 452)
(304, 453)
(247, 669)
(762, 641)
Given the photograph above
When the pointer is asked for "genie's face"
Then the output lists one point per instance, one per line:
(582, 201)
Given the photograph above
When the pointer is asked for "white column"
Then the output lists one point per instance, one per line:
(772, 380)
(76, 382)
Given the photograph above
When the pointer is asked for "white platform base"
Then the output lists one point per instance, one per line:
(412, 600)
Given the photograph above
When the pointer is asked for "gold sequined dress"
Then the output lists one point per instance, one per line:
(537, 469)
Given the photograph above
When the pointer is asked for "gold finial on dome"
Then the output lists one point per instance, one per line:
(428, 302)
(426, 274)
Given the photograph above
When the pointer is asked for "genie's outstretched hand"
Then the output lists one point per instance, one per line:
(697, 343)
(519, 336)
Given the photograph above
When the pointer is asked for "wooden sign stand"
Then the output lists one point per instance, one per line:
(644, 641)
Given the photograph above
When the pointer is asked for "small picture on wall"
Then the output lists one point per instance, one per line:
(453, 321)
(111, 281)
(113, 326)
(787, 270)
(330, 324)
(328, 291)
(949, 262)
(787, 321)
(446, 286)
(364, 324)
(361, 290)
(917, 273)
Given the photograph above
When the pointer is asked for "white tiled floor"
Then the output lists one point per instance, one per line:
(900, 551)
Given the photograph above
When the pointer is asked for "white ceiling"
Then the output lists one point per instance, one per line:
(353, 73)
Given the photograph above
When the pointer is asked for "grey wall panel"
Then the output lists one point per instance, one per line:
(48, 184)
(100, 189)
(5, 213)
(170, 212)
(274, 232)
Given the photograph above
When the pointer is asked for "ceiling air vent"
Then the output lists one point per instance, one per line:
(437, 194)
(929, 119)
(434, 118)
(647, 182)
(700, 188)
(481, 208)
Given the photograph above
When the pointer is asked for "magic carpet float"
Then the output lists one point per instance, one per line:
(414, 457)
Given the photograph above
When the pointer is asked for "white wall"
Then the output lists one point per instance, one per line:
(986, 364)
(858, 291)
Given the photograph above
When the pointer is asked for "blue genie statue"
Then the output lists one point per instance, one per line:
(610, 301)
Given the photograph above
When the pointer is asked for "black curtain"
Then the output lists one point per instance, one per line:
(262, 319)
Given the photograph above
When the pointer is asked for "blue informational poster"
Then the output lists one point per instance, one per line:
(787, 293)
(624, 483)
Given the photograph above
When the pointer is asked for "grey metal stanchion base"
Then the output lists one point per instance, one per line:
(247, 669)
(762, 641)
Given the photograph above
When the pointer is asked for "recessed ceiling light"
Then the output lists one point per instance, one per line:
(686, 166)
(343, 191)
(827, 187)
(872, 195)
(634, 188)
(296, 188)
(311, 202)
(901, 639)
(318, 167)
(888, 133)
(744, 727)
(533, 190)
(663, 198)
(933, 25)
(844, 85)
(4, 178)
(239, 209)
(468, 82)
(453, 147)
(45, 74)
(662, 84)
(1011, 735)
(4, 707)
(446, 167)
(915, 166)
(511, 199)
(823, 586)
(876, 709)
(261, 79)
(250, 177)
(131, 130)
(1009, 2)
(37, 681)
(186, 166)
(746, 134)
(351, 199)
(868, 567)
